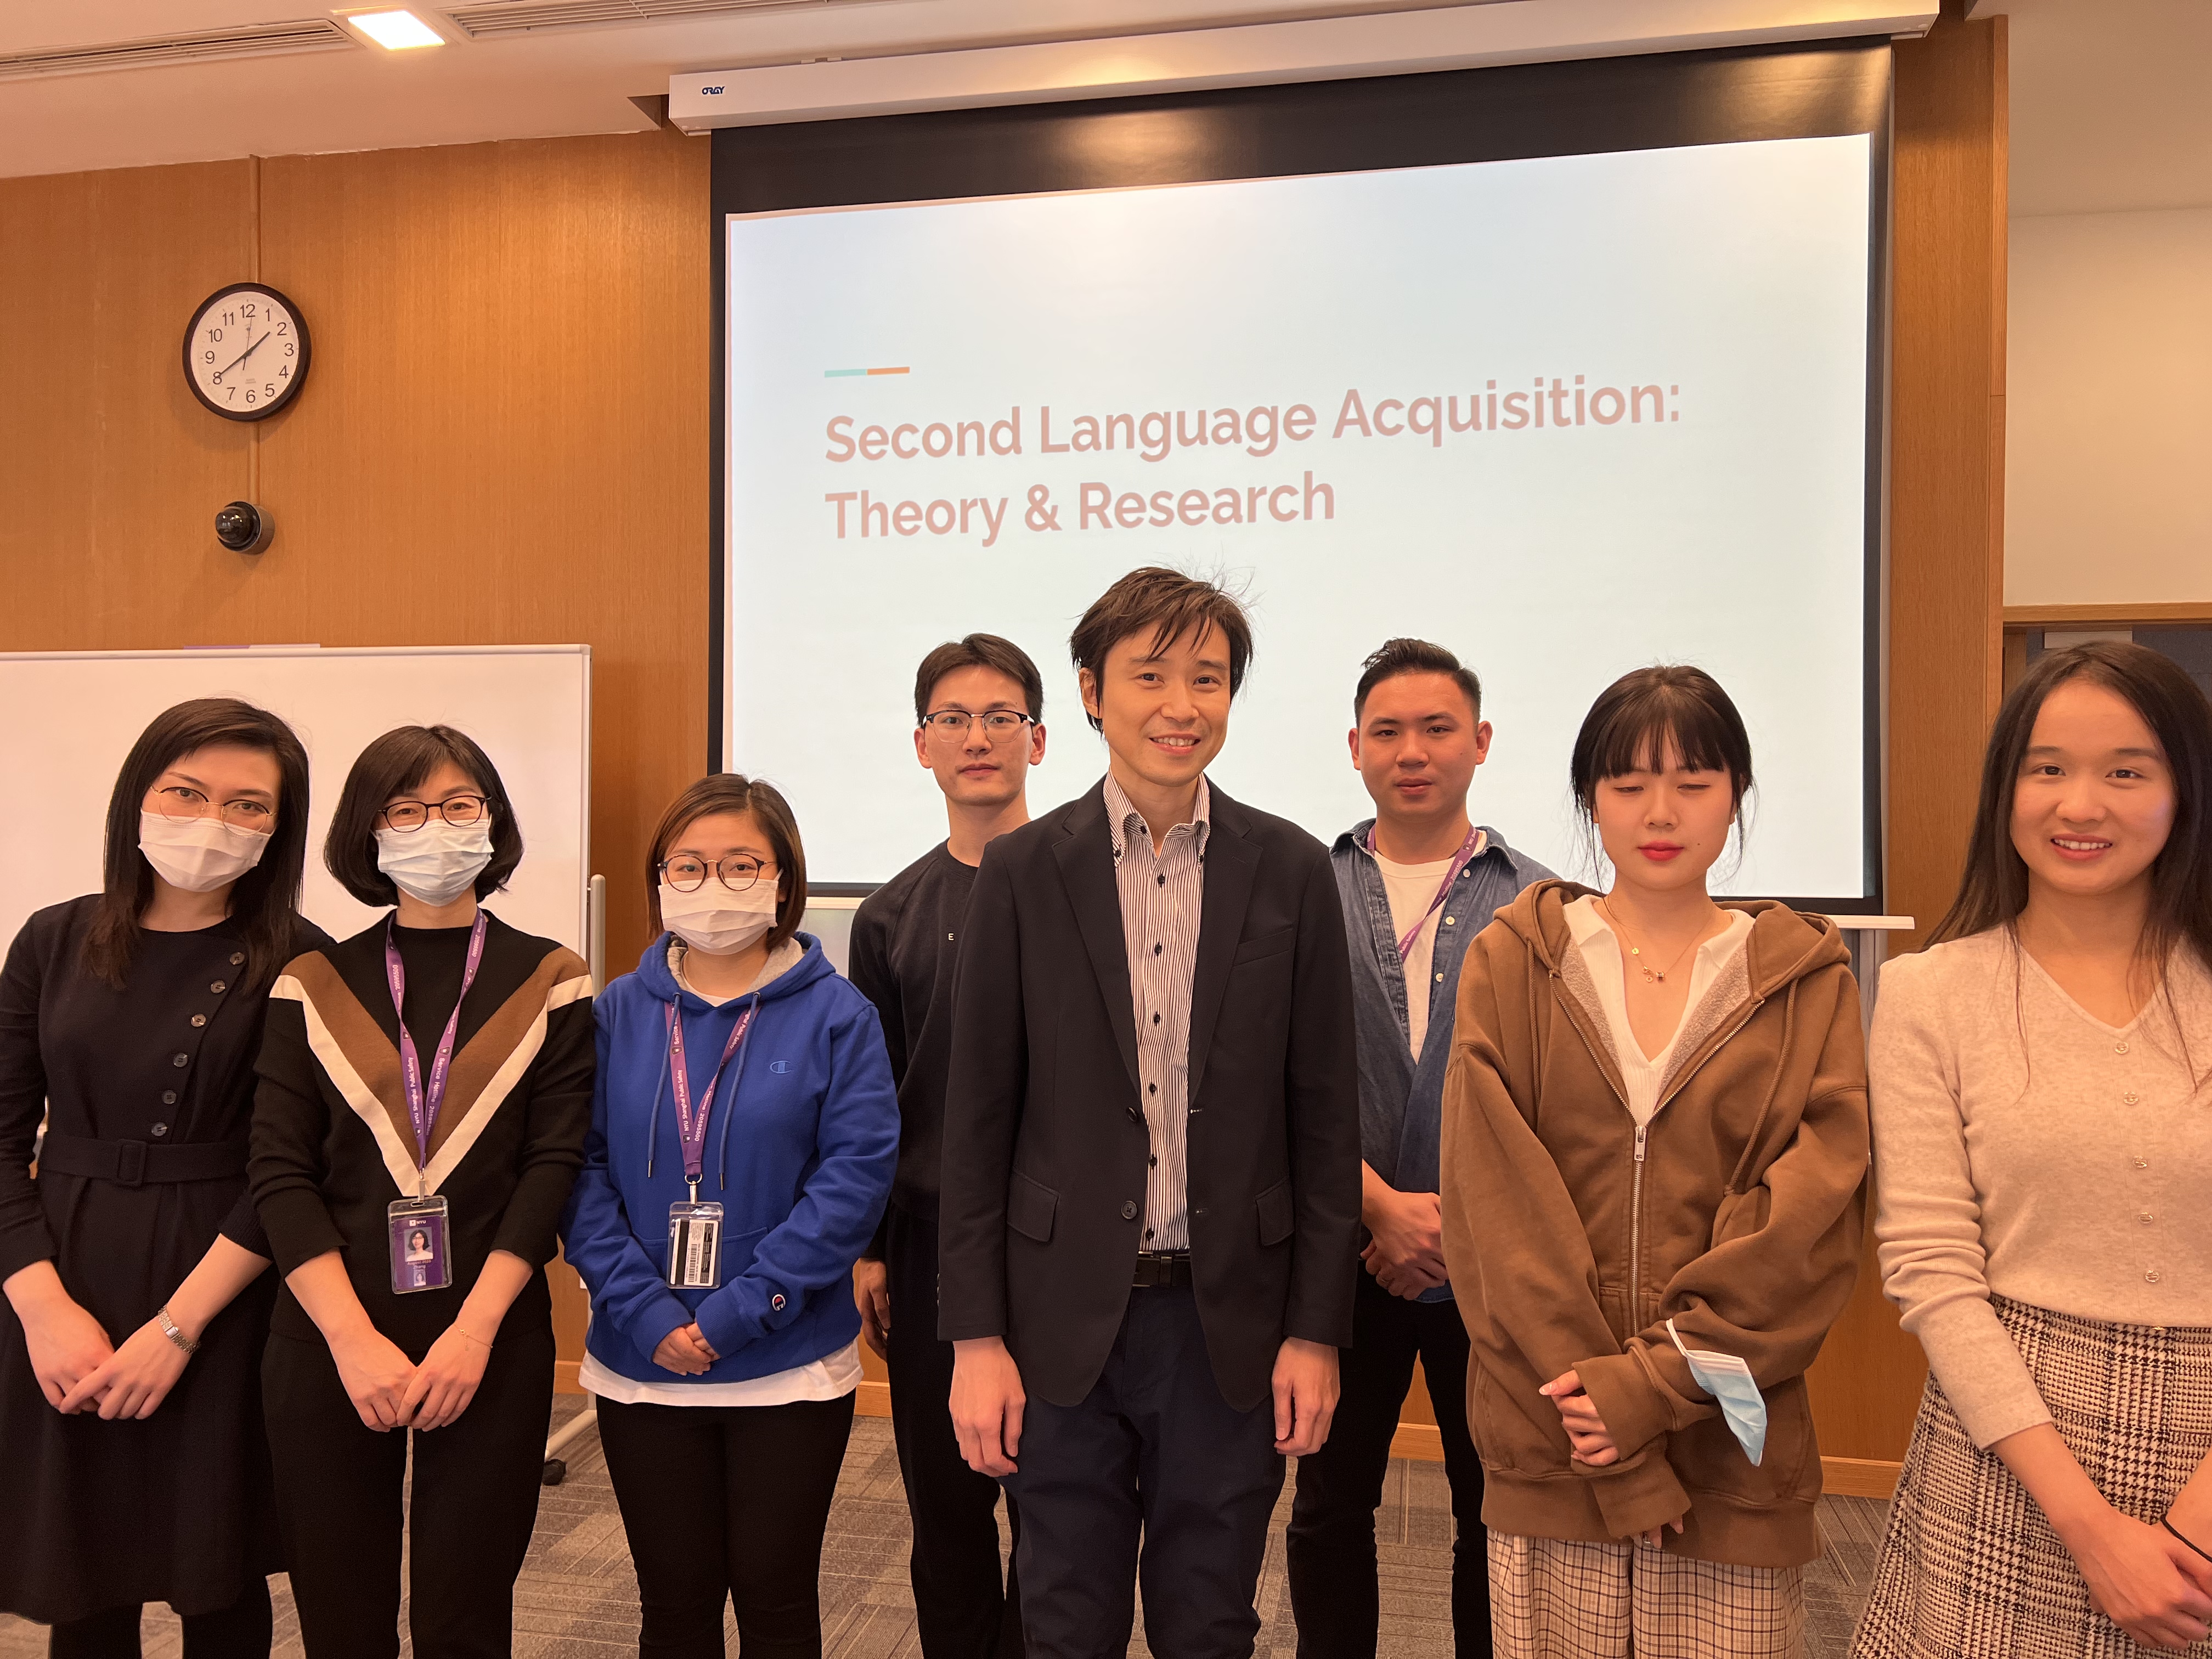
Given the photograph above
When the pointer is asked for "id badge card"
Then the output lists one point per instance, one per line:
(421, 1260)
(695, 1246)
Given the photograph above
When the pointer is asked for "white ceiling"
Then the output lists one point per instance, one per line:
(2112, 100)
(572, 81)
(2111, 104)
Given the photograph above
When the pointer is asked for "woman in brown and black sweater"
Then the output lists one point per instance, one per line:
(426, 1086)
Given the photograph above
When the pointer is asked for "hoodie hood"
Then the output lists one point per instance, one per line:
(1785, 944)
(653, 971)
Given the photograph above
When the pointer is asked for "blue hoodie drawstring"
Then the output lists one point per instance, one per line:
(653, 1118)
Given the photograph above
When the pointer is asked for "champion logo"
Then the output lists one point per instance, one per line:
(779, 1066)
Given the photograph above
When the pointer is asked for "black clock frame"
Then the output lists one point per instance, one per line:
(283, 399)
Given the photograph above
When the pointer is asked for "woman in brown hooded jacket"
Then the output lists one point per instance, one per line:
(1655, 1147)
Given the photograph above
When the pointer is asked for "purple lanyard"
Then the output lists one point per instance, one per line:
(423, 1100)
(1443, 891)
(693, 1130)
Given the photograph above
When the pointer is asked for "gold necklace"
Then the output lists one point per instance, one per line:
(1651, 976)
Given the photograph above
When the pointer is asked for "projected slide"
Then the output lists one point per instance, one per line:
(1566, 416)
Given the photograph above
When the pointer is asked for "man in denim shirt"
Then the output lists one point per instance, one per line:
(1417, 881)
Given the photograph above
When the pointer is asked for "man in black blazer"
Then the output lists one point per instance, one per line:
(1149, 1206)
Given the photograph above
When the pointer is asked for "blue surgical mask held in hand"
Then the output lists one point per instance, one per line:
(1728, 1379)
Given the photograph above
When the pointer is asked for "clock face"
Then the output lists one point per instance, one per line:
(245, 353)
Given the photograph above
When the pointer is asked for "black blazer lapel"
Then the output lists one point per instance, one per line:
(1232, 863)
(1086, 865)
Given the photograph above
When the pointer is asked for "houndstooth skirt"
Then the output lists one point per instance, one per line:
(1969, 1568)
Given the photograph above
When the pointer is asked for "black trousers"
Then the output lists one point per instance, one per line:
(240, 1630)
(962, 1610)
(475, 1500)
(1153, 1478)
(1331, 1539)
(727, 1503)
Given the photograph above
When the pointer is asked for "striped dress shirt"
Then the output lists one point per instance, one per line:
(1161, 895)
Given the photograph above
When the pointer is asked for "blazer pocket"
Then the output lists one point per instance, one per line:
(1267, 944)
(1276, 1213)
(1030, 1207)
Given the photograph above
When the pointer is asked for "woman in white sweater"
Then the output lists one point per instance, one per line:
(2042, 1103)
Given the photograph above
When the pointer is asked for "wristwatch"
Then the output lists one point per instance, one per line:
(169, 1329)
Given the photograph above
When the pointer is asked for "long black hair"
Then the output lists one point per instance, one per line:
(1993, 890)
(265, 901)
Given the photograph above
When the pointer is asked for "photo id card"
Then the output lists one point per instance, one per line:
(420, 1258)
(695, 1246)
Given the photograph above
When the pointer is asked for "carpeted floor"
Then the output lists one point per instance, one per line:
(577, 1598)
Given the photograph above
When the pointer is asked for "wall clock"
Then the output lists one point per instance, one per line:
(245, 351)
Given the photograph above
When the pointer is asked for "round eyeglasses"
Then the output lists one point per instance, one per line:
(179, 801)
(406, 816)
(687, 874)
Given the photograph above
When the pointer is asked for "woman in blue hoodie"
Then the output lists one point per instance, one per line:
(744, 1137)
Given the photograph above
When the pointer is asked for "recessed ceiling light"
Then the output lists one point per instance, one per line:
(397, 30)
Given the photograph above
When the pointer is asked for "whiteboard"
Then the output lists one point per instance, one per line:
(72, 716)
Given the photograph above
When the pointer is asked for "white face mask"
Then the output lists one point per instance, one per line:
(198, 854)
(714, 919)
(437, 863)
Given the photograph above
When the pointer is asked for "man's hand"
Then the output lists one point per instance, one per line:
(987, 1402)
(872, 1295)
(1305, 1396)
(1405, 1252)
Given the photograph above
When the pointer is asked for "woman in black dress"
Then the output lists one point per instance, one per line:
(133, 1467)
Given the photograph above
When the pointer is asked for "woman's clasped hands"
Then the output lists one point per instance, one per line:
(1591, 1441)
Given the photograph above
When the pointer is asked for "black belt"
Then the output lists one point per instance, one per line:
(137, 1163)
(1159, 1269)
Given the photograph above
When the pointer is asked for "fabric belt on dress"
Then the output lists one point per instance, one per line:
(138, 1162)
(1159, 1269)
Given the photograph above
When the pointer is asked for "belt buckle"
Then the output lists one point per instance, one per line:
(130, 1163)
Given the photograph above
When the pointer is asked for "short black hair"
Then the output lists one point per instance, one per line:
(1411, 656)
(733, 792)
(979, 651)
(1165, 605)
(399, 761)
(1630, 726)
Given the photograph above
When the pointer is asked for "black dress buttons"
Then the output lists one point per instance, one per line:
(159, 1130)
(199, 1020)
(180, 1060)
(168, 1097)
(219, 986)
(1129, 1209)
(236, 958)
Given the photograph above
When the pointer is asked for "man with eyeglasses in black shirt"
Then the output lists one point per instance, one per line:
(977, 704)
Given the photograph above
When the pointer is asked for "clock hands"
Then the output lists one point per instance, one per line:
(244, 354)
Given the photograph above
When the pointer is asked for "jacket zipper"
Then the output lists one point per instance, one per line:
(1636, 1234)
(1636, 1187)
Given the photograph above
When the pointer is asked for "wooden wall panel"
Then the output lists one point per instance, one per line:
(503, 439)
(105, 455)
(1945, 575)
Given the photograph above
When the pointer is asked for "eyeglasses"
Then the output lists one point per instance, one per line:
(406, 816)
(180, 801)
(999, 724)
(737, 873)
